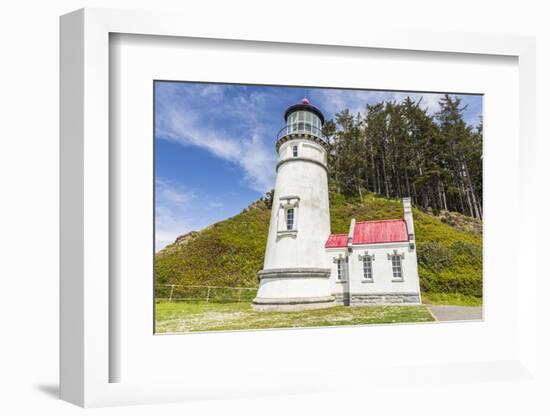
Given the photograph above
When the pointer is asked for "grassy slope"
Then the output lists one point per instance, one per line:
(189, 317)
(230, 252)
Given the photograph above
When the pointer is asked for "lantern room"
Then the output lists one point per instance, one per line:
(303, 118)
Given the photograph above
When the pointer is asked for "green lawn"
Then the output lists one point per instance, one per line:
(451, 299)
(192, 317)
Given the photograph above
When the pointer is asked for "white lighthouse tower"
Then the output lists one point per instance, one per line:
(296, 273)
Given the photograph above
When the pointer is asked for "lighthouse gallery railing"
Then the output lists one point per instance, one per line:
(302, 128)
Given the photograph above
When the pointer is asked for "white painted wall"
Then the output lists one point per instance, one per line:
(309, 182)
(303, 248)
(306, 148)
(383, 281)
(294, 287)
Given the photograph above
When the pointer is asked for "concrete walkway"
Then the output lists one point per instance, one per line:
(456, 313)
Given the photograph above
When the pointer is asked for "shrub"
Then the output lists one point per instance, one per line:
(433, 256)
(447, 282)
(467, 252)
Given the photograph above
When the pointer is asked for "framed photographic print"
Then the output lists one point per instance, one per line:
(277, 209)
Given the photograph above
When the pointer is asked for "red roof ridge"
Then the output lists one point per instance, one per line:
(364, 222)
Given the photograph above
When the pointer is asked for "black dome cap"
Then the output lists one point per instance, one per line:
(305, 106)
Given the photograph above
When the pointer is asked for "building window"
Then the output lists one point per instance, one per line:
(340, 268)
(367, 267)
(288, 215)
(290, 219)
(397, 266)
(367, 260)
(294, 151)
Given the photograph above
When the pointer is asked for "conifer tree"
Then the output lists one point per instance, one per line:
(399, 149)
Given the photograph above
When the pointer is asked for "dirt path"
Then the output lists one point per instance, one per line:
(456, 313)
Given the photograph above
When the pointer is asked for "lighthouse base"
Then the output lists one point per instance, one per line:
(293, 289)
(293, 304)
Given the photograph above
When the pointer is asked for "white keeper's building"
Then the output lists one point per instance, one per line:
(305, 265)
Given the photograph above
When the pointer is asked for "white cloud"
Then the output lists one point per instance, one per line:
(172, 194)
(171, 206)
(429, 102)
(334, 100)
(184, 122)
(212, 91)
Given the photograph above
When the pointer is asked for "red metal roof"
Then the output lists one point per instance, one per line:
(373, 232)
(337, 240)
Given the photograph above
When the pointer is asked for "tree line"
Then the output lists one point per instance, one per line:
(399, 149)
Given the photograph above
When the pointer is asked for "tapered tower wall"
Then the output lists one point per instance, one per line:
(306, 178)
(296, 271)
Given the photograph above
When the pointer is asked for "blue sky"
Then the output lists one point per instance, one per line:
(214, 144)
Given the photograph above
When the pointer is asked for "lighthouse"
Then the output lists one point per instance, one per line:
(296, 272)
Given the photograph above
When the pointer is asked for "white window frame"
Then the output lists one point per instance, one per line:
(400, 256)
(397, 267)
(340, 273)
(341, 268)
(363, 258)
(368, 273)
(289, 212)
(285, 204)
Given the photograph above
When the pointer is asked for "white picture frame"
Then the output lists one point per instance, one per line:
(86, 355)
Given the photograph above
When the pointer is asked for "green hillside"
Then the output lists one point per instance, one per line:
(229, 253)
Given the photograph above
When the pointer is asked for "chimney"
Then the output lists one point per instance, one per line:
(350, 234)
(408, 216)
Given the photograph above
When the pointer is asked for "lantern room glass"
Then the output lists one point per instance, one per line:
(304, 122)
